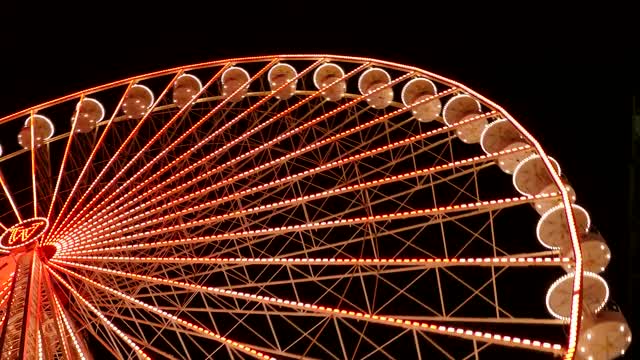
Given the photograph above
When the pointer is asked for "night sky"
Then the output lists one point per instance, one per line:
(563, 80)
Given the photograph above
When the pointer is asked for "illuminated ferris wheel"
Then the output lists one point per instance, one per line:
(295, 206)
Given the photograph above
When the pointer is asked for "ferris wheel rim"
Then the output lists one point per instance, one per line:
(535, 144)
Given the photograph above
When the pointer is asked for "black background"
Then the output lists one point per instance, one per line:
(564, 74)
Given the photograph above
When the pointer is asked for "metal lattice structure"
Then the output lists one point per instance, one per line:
(294, 206)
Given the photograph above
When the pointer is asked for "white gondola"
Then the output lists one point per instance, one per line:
(137, 101)
(463, 108)
(531, 175)
(279, 75)
(418, 90)
(42, 129)
(185, 89)
(89, 112)
(502, 135)
(604, 336)
(595, 253)
(595, 292)
(327, 74)
(235, 83)
(553, 230)
(544, 204)
(371, 80)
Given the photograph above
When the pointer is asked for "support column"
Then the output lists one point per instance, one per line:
(19, 339)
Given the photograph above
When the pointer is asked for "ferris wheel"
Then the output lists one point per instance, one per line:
(287, 207)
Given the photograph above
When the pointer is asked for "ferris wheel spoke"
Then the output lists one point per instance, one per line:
(351, 208)
(161, 329)
(64, 159)
(157, 135)
(300, 200)
(263, 286)
(123, 144)
(192, 129)
(489, 204)
(62, 216)
(512, 261)
(126, 216)
(61, 314)
(325, 167)
(94, 328)
(323, 245)
(244, 155)
(33, 164)
(104, 300)
(62, 335)
(274, 183)
(396, 320)
(124, 337)
(184, 135)
(7, 193)
(141, 342)
(476, 292)
(250, 153)
(205, 332)
(191, 333)
(276, 312)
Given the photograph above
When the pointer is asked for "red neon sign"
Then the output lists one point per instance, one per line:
(23, 233)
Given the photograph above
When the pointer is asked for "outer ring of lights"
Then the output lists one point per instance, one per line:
(527, 135)
(571, 275)
(21, 244)
(560, 207)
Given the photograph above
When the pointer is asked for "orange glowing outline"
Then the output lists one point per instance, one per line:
(576, 301)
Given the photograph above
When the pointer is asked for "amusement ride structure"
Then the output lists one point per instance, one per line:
(293, 206)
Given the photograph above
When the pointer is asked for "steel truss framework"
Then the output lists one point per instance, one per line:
(269, 228)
